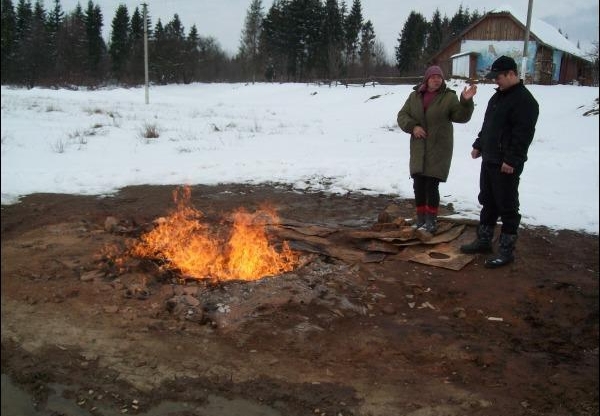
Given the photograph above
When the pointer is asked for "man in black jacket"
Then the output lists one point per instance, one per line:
(502, 143)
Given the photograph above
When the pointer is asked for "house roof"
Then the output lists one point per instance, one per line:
(464, 54)
(544, 32)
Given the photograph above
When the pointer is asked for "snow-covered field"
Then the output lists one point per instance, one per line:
(335, 139)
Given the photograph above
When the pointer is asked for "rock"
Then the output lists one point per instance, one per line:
(390, 214)
(91, 275)
(190, 290)
(110, 224)
(389, 309)
(190, 300)
(166, 291)
(459, 313)
(487, 359)
(195, 315)
(173, 304)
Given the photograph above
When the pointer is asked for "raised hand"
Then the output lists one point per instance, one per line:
(469, 92)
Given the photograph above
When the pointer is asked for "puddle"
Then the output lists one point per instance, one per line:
(16, 401)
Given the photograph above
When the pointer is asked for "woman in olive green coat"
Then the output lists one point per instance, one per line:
(428, 115)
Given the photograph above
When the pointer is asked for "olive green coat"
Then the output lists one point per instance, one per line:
(432, 156)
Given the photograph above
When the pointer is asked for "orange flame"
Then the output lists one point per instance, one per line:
(187, 244)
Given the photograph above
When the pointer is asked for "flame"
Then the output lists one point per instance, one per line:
(185, 243)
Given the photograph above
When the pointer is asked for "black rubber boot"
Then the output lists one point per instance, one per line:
(483, 242)
(430, 223)
(505, 252)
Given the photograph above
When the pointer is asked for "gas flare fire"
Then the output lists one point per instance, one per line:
(183, 242)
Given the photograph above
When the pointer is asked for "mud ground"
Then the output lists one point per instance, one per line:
(384, 338)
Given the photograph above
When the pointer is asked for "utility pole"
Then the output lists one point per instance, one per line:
(146, 51)
(525, 44)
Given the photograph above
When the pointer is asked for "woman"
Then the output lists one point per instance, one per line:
(427, 115)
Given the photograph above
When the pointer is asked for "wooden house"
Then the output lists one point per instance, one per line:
(551, 58)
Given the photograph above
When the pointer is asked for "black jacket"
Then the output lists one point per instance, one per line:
(508, 126)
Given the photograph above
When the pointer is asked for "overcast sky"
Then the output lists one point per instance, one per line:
(224, 19)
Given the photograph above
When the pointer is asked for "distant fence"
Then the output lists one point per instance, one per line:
(370, 81)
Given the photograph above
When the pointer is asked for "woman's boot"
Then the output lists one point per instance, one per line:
(420, 220)
(431, 222)
(431, 219)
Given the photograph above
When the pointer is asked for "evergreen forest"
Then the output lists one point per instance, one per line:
(291, 41)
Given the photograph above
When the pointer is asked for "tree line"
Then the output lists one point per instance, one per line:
(294, 40)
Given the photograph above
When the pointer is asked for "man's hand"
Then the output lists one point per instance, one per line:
(419, 132)
(506, 168)
(475, 153)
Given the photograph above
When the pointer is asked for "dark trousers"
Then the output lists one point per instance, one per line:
(499, 197)
(427, 193)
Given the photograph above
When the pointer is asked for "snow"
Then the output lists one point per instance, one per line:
(313, 137)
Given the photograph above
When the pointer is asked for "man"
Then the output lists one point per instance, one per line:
(503, 142)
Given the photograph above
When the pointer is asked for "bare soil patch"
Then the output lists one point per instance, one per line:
(379, 337)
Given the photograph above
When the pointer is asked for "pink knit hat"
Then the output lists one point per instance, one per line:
(433, 70)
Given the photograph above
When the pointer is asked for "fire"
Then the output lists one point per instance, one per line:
(187, 244)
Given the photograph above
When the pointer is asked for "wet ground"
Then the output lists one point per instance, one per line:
(390, 337)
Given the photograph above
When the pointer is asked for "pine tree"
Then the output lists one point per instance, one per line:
(313, 39)
(333, 35)
(135, 62)
(24, 19)
(343, 10)
(293, 36)
(174, 37)
(409, 52)
(24, 23)
(272, 42)
(367, 48)
(475, 16)
(55, 18)
(352, 25)
(158, 51)
(119, 41)
(434, 34)
(446, 35)
(96, 45)
(54, 22)
(72, 49)
(37, 57)
(8, 42)
(294, 26)
(459, 21)
(136, 26)
(192, 56)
